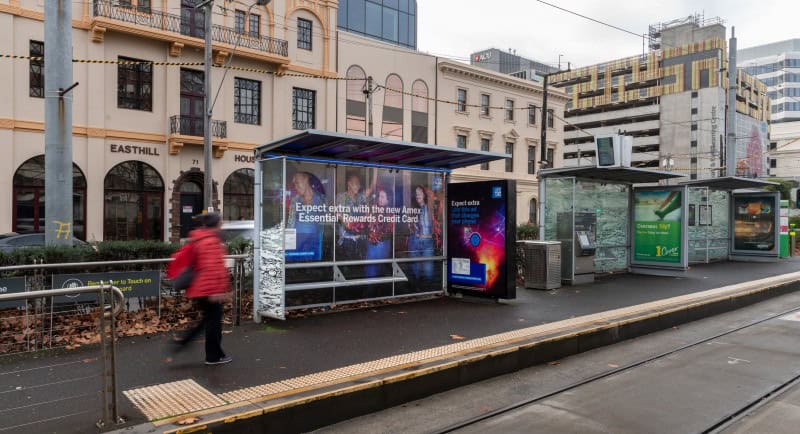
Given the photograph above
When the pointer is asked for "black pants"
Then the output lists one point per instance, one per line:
(212, 324)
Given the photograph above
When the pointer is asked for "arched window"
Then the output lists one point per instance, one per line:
(419, 112)
(134, 203)
(237, 195)
(533, 215)
(356, 106)
(393, 108)
(28, 201)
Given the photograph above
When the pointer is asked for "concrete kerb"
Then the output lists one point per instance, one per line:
(314, 406)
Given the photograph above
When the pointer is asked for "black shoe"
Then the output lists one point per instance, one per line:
(222, 361)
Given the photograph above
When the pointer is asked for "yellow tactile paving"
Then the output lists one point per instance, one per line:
(172, 399)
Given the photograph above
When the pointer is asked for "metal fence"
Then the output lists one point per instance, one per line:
(27, 401)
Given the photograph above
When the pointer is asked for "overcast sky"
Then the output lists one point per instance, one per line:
(456, 28)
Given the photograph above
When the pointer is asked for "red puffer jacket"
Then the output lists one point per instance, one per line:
(210, 275)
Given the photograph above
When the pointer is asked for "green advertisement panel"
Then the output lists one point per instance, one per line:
(657, 222)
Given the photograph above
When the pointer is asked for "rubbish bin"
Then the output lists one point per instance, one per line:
(542, 264)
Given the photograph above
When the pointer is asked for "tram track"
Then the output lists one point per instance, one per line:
(718, 427)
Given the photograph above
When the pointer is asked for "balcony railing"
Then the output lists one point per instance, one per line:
(191, 126)
(174, 23)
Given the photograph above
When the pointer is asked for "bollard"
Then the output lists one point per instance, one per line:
(791, 243)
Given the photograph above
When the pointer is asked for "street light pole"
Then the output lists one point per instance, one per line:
(207, 149)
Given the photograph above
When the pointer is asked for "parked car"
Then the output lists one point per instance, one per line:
(239, 228)
(11, 241)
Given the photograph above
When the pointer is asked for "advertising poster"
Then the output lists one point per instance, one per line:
(309, 220)
(11, 285)
(657, 226)
(754, 222)
(481, 238)
(131, 283)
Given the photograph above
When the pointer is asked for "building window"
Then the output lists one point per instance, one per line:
(694, 94)
(550, 119)
(531, 114)
(773, 163)
(239, 22)
(141, 5)
(247, 101)
(303, 101)
(134, 85)
(549, 157)
(510, 161)
(304, 34)
(254, 29)
(393, 108)
(694, 111)
(694, 127)
(134, 203)
(238, 192)
(485, 147)
(28, 202)
(693, 143)
(461, 100)
(355, 104)
(531, 160)
(461, 141)
(37, 69)
(510, 110)
(533, 214)
(485, 104)
(419, 112)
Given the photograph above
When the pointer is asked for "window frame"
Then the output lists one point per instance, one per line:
(240, 27)
(309, 96)
(141, 74)
(305, 34)
(459, 141)
(251, 101)
(551, 118)
(509, 110)
(257, 32)
(531, 159)
(36, 77)
(485, 110)
(461, 105)
(486, 146)
(509, 162)
(531, 114)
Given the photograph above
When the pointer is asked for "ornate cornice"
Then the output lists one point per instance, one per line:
(460, 69)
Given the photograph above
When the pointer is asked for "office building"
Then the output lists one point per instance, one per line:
(508, 62)
(672, 100)
(392, 21)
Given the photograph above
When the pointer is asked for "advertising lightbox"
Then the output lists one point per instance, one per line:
(481, 238)
(755, 223)
(659, 216)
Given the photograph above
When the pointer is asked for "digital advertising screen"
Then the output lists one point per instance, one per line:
(754, 222)
(481, 238)
(657, 231)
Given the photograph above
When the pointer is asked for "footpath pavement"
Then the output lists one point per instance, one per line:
(276, 361)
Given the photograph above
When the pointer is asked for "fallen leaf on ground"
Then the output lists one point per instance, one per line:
(611, 365)
(457, 337)
(188, 421)
(554, 363)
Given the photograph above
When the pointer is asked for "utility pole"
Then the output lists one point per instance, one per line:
(368, 91)
(730, 146)
(58, 219)
(207, 149)
(543, 138)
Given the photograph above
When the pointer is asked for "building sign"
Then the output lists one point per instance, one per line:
(134, 150)
(657, 232)
(131, 283)
(481, 238)
(12, 285)
(247, 159)
(754, 219)
(483, 57)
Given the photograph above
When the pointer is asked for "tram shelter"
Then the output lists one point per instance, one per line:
(625, 219)
(343, 219)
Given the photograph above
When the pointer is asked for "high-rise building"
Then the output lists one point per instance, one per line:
(392, 21)
(672, 100)
(508, 62)
(778, 66)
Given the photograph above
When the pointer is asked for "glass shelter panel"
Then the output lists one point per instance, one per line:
(709, 225)
(609, 203)
(270, 266)
(558, 218)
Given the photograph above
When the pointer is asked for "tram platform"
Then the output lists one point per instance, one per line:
(304, 373)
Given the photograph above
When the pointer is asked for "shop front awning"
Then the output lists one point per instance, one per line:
(730, 183)
(349, 149)
(619, 175)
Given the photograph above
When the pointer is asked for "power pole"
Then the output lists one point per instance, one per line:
(207, 149)
(58, 122)
(543, 139)
(730, 146)
(368, 91)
